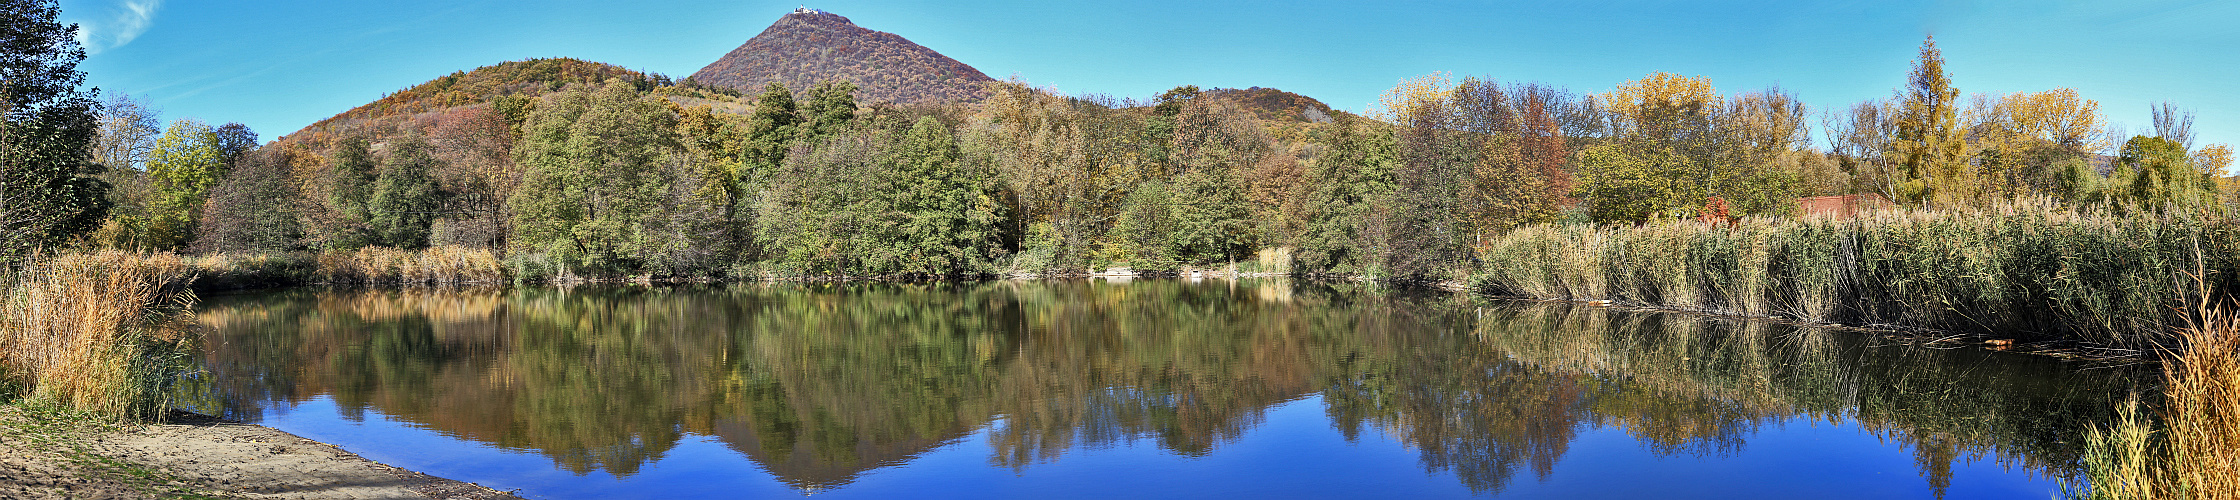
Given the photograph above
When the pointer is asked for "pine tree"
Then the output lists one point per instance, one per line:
(47, 130)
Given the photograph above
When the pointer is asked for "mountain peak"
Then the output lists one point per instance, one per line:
(808, 46)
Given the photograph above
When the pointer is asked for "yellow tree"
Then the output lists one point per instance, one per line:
(2021, 140)
(1931, 149)
(1655, 105)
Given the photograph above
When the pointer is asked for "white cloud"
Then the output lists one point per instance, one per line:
(125, 21)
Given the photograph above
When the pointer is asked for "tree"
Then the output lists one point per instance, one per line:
(1522, 174)
(345, 223)
(1632, 183)
(2173, 123)
(186, 163)
(1427, 228)
(2162, 176)
(1862, 140)
(47, 131)
(1211, 221)
(1928, 143)
(770, 132)
(951, 215)
(234, 140)
(253, 209)
(598, 180)
(831, 107)
(128, 131)
(2023, 139)
(1351, 180)
(405, 197)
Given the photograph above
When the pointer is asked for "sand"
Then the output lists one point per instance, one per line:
(191, 456)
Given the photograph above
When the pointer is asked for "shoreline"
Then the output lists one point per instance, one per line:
(51, 454)
(47, 453)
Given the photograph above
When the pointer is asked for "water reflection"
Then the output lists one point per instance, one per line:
(821, 383)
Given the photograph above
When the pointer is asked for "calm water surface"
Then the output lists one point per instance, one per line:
(1158, 388)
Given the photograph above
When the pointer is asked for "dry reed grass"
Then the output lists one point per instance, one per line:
(100, 332)
(2195, 452)
(2036, 272)
(436, 265)
(2202, 409)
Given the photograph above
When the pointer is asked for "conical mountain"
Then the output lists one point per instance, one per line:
(810, 46)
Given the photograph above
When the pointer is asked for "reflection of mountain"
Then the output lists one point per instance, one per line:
(819, 384)
(816, 469)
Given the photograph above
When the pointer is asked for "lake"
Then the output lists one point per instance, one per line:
(1131, 389)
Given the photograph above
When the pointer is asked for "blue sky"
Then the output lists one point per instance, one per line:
(280, 65)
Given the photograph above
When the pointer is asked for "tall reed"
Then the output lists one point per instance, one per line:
(102, 332)
(2203, 407)
(435, 265)
(2195, 451)
(2026, 270)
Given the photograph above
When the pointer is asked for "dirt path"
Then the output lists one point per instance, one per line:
(45, 455)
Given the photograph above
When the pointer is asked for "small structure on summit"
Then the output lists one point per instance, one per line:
(806, 10)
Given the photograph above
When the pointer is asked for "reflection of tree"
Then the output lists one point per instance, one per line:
(1698, 386)
(820, 383)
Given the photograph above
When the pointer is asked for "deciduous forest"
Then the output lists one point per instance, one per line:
(579, 169)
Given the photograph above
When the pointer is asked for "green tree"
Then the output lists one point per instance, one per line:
(47, 131)
(598, 180)
(405, 198)
(1143, 234)
(2163, 176)
(770, 132)
(1351, 180)
(831, 107)
(346, 222)
(954, 217)
(1211, 221)
(185, 164)
(1618, 182)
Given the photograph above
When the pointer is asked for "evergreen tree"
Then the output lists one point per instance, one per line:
(771, 131)
(951, 215)
(1932, 153)
(1351, 181)
(47, 130)
(351, 172)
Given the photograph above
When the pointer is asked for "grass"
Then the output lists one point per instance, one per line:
(365, 266)
(2202, 411)
(2033, 272)
(2194, 452)
(103, 333)
(435, 265)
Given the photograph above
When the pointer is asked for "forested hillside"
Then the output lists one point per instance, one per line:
(808, 47)
(570, 168)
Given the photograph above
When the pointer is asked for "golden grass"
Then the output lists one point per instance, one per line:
(2202, 412)
(437, 265)
(2195, 453)
(99, 332)
(2031, 271)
